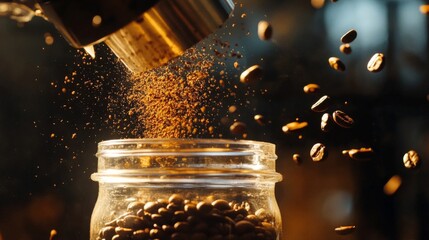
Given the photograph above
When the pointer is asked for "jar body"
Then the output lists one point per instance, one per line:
(194, 201)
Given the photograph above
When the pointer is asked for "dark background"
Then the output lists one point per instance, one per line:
(45, 169)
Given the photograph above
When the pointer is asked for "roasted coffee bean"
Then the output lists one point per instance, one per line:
(344, 230)
(263, 214)
(162, 202)
(135, 206)
(140, 234)
(173, 207)
(311, 88)
(179, 216)
(119, 237)
(265, 30)
(346, 48)
(336, 64)
(252, 74)
(204, 207)
(221, 205)
(349, 36)
(297, 158)
(168, 229)
(260, 119)
(322, 104)
(294, 126)
(157, 234)
(107, 232)
(243, 227)
(411, 159)
(325, 123)
(376, 63)
(342, 119)
(318, 152)
(190, 208)
(361, 154)
(124, 232)
(238, 128)
(151, 207)
(176, 199)
(182, 227)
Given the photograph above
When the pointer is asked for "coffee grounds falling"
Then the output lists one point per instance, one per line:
(170, 101)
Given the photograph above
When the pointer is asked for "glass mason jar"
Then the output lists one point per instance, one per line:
(187, 189)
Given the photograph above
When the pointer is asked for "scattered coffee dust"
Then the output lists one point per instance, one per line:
(170, 101)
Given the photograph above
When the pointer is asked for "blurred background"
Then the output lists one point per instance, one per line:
(55, 103)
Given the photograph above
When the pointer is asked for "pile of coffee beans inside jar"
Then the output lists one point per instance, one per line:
(181, 219)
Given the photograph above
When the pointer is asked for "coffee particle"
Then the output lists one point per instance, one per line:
(238, 128)
(349, 36)
(311, 88)
(376, 63)
(53, 235)
(392, 185)
(336, 64)
(252, 74)
(361, 154)
(265, 30)
(342, 119)
(260, 119)
(294, 126)
(297, 158)
(345, 230)
(318, 152)
(346, 48)
(322, 104)
(411, 159)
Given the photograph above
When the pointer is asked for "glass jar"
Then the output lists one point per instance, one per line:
(186, 189)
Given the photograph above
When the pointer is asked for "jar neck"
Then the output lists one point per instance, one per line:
(142, 160)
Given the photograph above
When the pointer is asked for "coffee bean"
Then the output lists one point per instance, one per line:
(176, 199)
(349, 36)
(265, 30)
(263, 214)
(342, 119)
(198, 236)
(107, 232)
(346, 48)
(361, 154)
(151, 207)
(336, 64)
(318, 152)
(140, 234)
(238, 128)
(260, 119)
(344, 230)
(297, 158)
(376, 63)
(204, 207)
(135, 206)
(244, 226)
(411, 159)
(325, 123)
(221, 205)
(252, 74)
(134, 222)
(322, 104)
(182, 227)
(190, 208)
(124, 232)
(311, 88)
(294, 126)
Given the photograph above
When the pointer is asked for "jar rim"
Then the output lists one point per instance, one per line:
(141, 160)
(161, 146)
